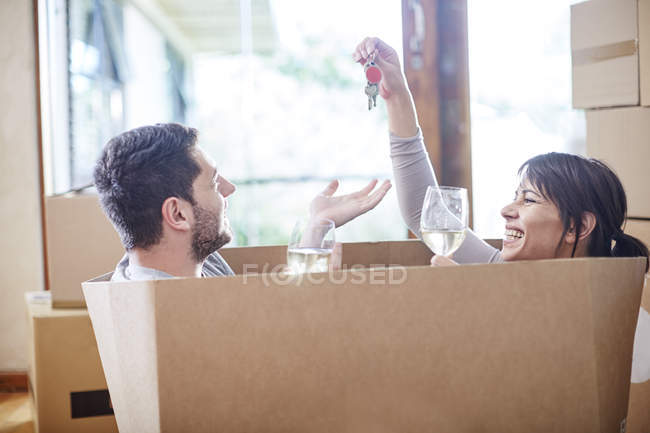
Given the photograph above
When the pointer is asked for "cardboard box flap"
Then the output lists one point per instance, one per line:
(529, 346)
(128, 350)
(269, 258)
(411, 252)
(102, 278)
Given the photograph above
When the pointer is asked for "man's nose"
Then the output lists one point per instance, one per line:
(227, 188)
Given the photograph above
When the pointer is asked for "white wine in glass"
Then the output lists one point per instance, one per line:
(310, 247)
(443, 242)
(443, 220)
(302, 260)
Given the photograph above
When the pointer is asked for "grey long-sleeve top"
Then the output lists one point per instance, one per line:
(413, 174)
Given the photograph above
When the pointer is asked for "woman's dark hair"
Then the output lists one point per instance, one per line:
(577, 185)
(137, 171)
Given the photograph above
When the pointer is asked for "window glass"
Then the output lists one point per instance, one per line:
(520, 93)
(270, 85)
(114, 85)
(287, 114)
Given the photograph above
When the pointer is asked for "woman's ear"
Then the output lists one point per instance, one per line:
(176, 214)
(588, 226)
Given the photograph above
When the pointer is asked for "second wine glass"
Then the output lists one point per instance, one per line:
(443, 220)
(310, 246)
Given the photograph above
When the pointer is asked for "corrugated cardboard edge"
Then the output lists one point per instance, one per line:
(31, 368)
(639, 403)
(644, 53)
(122, 381)
(610, 346)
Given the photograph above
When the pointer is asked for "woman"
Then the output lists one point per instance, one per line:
(565, 205)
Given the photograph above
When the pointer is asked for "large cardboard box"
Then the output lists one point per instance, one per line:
(610, 50)
(639, 406)
(621, 137)
(542, 346)
(81, 243)
(66, 379)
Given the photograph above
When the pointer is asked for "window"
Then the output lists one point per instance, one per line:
(283, 121)
(270, 84)
(109, 69)
(520, 93)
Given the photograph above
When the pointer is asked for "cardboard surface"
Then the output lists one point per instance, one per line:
(644, 51)
(640, 229)
(609, 56)
(267, 258)
(64, 361)
(532, 346)
(639, 405)
(620, 137)
(81, 243)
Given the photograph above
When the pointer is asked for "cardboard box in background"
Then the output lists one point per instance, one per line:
(81, 243)
(640, 229)
(536, 346)
(610, 53)
(66, 378)
(621, 138)
(639, 405)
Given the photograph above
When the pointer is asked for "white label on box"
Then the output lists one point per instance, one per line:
(641, 353)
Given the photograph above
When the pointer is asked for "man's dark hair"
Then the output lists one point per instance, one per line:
(137, 171)
(577, 185)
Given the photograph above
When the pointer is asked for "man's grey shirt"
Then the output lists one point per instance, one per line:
(213, 266)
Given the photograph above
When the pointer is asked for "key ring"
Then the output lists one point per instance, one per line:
(373, 73)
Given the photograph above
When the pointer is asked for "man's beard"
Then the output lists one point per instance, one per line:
(207, 235)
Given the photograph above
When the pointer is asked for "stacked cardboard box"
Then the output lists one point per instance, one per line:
(65, 373)
(610, 43)
(81, 243)
(610, 53)
(66, 379)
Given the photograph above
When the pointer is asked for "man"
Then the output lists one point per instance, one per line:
(167, 200)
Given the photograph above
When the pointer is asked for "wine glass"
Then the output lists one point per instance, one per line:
(310, 246)
(444, 219)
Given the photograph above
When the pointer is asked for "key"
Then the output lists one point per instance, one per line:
(373, 75)
(371, 91)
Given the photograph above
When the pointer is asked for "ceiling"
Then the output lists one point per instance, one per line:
(214, 25)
